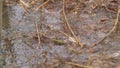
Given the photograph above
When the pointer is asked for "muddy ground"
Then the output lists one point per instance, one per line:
(90, 20)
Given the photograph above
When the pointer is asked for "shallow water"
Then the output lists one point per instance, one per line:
(18, 49)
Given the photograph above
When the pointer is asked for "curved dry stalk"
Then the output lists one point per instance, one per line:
(110, 32)
(69, 27)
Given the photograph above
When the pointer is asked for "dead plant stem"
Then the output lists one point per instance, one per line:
(42, 4)
(38, 35)
(75, 64)
(33, 2)
(68, 25)
(24, 5)
(111, 31)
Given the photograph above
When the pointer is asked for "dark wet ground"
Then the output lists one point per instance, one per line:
(18, 49)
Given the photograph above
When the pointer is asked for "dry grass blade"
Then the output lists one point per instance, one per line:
(75, 64)
(110, 32)
(23, 3)
(33, 2)
(42, 4)
(38, 35)
(69, 27)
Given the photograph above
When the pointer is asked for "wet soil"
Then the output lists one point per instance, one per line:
(89, 23)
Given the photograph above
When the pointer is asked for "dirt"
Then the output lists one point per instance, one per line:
(91, 21)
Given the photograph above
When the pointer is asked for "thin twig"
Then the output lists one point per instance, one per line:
(42, 4)
(25, 10)
(75, 64)
(33, 2)
(69, 27)
(38, 35)
(111, 31)
(24, 5)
